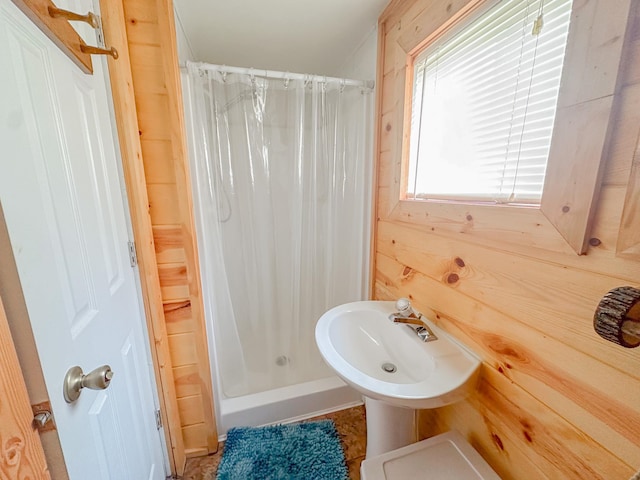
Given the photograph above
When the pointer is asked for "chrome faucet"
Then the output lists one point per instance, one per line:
(413, 320)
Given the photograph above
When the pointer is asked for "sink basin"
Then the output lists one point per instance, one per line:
(388, 362)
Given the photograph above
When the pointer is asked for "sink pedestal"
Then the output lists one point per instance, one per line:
(388, 427)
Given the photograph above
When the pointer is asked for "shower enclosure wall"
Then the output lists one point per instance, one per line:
(281, 173)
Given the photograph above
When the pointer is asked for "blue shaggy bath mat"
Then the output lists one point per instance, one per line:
(305, 451)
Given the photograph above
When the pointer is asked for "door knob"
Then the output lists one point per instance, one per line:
(75, 380)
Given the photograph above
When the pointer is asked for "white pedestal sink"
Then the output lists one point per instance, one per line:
(393, 368)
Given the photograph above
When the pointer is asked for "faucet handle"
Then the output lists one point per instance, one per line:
(403, 305)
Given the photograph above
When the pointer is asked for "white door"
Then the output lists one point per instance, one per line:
(63, 201)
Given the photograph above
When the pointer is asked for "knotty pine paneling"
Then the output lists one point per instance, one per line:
(195, 434)
(163, 209)
(145, 33)
(526, 289)
(168, 243)
(190, 410)
(525, 355)
(173, 274)
(148, 55)
(137, 11)
(179, 317)
(21, 452)
(175, 293)
(187, 381)
(153, 111)
(154, 65)
(158, 161)
(154, 84)
(554, 401)
(557, 448)
(182, 352)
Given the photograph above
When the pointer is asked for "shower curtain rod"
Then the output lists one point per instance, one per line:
(278, 75)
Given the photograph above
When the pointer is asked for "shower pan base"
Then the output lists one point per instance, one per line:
(286, 404)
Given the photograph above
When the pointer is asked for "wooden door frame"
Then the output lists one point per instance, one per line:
(15, 315)
(21, 449)
(138, 202)
(171, 291)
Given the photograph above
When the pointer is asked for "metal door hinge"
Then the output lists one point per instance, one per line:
(99, 32)
(133, 256)
(158, 420)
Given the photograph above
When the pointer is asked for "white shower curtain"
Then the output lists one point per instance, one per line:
(281, 171)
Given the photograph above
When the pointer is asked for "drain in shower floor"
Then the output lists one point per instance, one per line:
(282, 360)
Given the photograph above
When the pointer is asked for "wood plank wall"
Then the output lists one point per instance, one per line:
(21, 453)
(554, 401)
(155, 72)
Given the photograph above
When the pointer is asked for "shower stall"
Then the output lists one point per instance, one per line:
(281, 169)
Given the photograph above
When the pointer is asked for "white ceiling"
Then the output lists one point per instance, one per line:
(303, 36)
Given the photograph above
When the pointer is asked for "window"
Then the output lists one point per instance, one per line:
(484, 103)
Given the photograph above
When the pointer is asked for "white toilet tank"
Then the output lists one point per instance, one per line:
(443, 457)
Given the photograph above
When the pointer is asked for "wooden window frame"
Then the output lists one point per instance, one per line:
(628, 245)
(580, 134)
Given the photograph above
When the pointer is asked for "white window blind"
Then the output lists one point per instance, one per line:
(484, 102)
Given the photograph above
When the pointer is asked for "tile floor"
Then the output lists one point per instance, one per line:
(351, 426)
